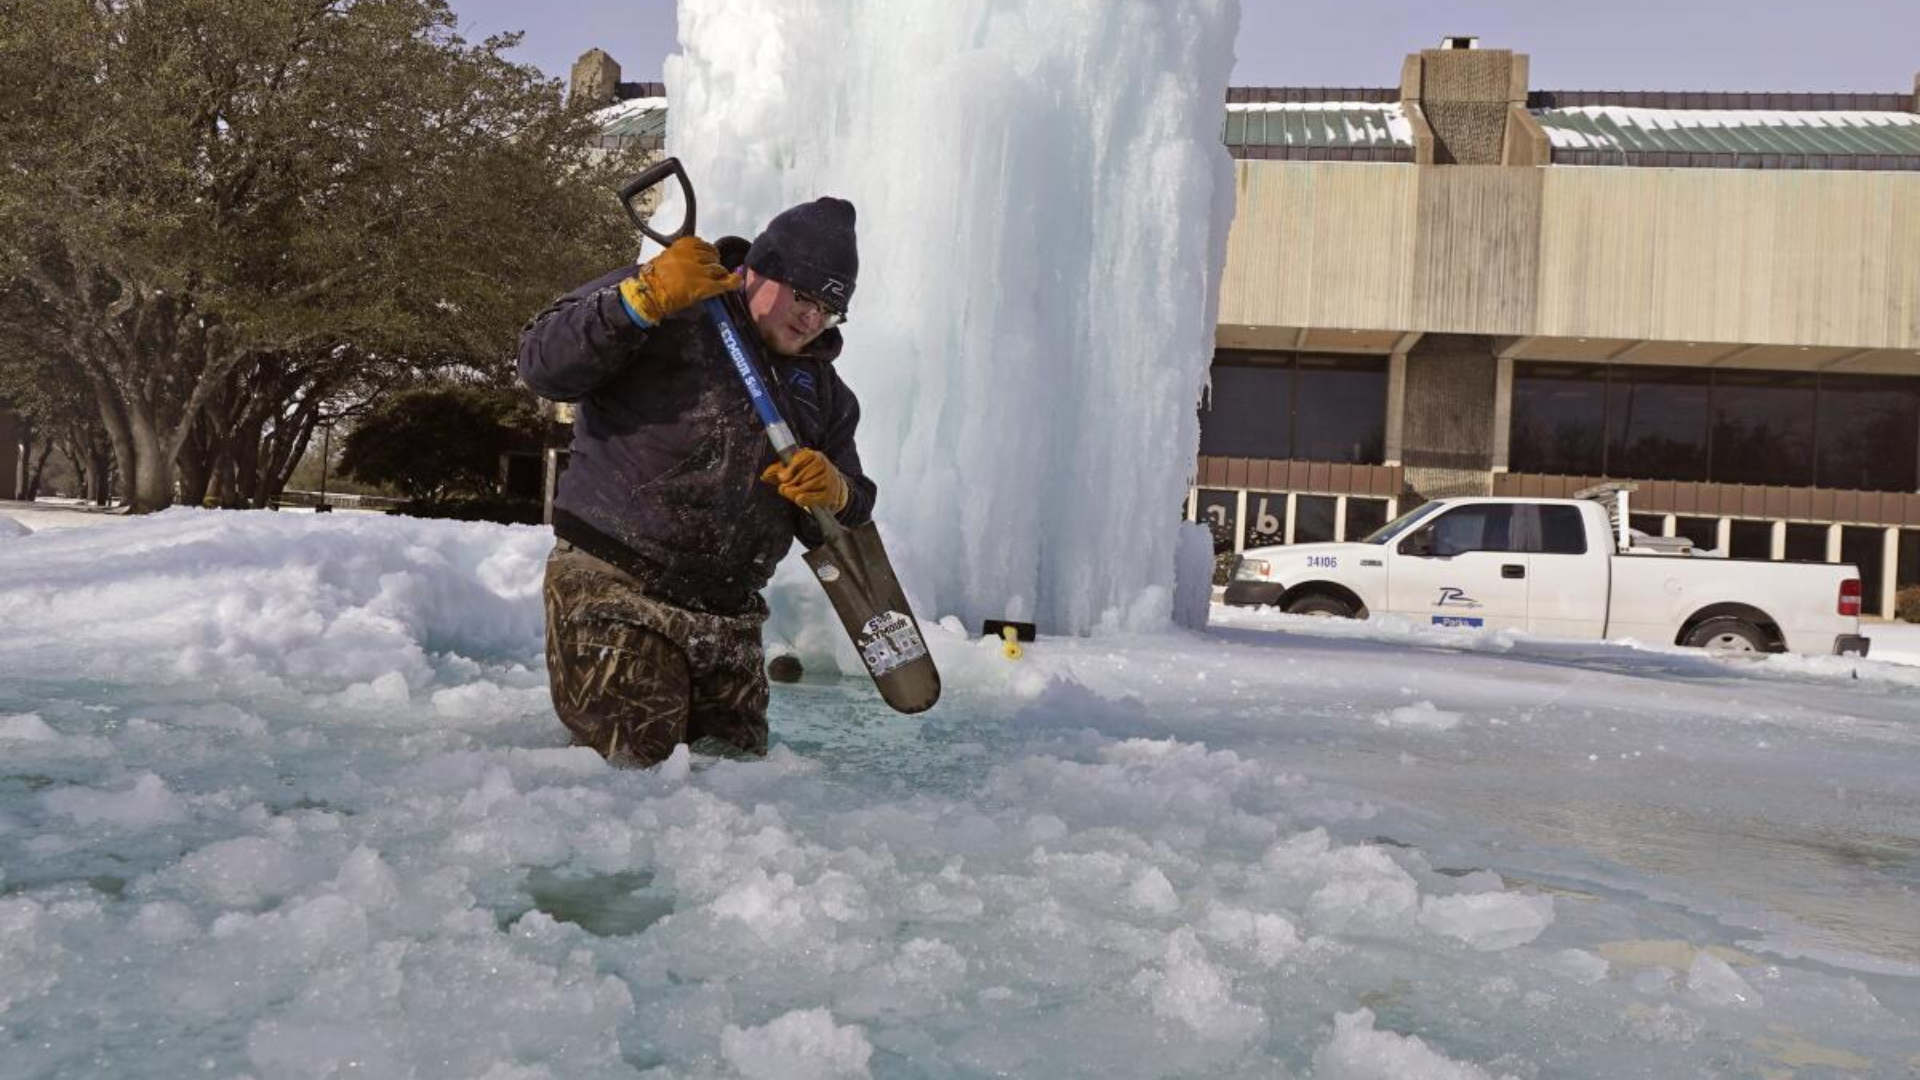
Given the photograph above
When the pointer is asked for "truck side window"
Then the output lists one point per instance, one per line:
(1562, 531)
(1487, 527)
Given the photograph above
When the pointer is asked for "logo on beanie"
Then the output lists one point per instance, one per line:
(835, 288)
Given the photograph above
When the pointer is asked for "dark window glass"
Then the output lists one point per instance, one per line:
(1909, 569)
(1704, 532)
(1752, 540)
(1866, 550)
(1313, 518)
(1247, 412)
(1559, 419)
(1763, 427)
(1216, 513)
(1341, 409)
(1266, 518)
(1869, 433)
(1364, 516)
(1806, 543)
(1657, 423)
(1562, 531)
(1487, 527)
(1651, 524)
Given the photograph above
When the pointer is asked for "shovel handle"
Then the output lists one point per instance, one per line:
(659, 171)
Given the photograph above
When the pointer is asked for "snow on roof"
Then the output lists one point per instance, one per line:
(1318, 123)
(1731, 131)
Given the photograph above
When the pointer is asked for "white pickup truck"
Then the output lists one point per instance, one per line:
(1564, 567)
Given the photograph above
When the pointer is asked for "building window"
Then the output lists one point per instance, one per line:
(1300, 407)
(1704, 532)
(1313, 518)
(1763, 427)
(1806, 543)
(1248, 411)
(1559, 420)
(1865, 424)
(1752, 540)
(1364, 516)
(1657, 423)
(1340, 410)
(1218, 510)
(1793, 429)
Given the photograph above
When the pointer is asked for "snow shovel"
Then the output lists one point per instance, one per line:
(852, 565)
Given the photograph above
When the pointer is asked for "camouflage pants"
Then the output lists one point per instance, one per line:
(633, 676)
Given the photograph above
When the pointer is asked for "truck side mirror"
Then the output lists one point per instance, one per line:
(1420, 544)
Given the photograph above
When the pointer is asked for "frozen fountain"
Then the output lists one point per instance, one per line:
(1044, 203)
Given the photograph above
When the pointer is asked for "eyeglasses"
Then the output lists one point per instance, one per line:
(827, 317)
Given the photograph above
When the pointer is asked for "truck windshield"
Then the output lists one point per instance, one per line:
(1385, 533)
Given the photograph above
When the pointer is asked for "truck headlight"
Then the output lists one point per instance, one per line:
(1251, 570)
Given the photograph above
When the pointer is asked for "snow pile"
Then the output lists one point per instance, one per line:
(1163, 855)
(10, 528)
(364, 608)
(1041, 246)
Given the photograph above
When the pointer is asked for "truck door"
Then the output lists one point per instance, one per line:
(1570, 581)
(1464, 568)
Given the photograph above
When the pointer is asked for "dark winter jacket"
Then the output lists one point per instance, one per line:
(664, 476)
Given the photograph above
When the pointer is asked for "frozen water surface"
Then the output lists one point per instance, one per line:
(342, 836)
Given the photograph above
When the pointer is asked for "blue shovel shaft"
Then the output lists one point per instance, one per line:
(778, 432)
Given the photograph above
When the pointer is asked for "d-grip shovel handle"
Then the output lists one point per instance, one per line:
(660, 171)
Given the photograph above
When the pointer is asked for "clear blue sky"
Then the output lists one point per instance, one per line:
(1593, 44)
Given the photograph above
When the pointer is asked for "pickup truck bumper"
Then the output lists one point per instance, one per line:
(1254, 593)
(1850, 645)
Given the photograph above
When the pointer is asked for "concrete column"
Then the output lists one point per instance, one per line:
(1777, 543)
(1889, 572)
(1723, 535)
(1502, 411)
(1396, 407)
(1669, 525)
(1293, 507)
(1193, 504)
(1240, 521)
(1393, 507)
(1340, 519)
(1833, 543)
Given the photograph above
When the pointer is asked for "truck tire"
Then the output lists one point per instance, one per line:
(1728, 635)
(1321, 604)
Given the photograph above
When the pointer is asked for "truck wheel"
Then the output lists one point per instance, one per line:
(1728, 635)
(1331, 607)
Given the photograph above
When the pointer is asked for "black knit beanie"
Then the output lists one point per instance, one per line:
(811, 248)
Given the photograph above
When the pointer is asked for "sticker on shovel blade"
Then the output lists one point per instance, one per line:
(889, 640)
(828, 573)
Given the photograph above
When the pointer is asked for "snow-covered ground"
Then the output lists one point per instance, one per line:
(281, 797)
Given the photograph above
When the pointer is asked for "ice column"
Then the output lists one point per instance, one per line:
(1043, 208)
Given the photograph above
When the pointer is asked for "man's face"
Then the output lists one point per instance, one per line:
(786, 324)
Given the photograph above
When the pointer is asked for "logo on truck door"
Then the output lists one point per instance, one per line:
(1452, 597)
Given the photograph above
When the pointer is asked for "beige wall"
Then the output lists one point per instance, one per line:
(1740, 256)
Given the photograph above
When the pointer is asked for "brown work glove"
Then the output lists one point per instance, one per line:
(684, 274)
(809, 480)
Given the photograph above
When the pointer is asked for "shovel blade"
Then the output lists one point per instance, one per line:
(854, 569)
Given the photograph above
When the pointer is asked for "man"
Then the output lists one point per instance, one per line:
(674, 511)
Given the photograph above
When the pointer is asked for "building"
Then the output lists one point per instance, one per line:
(1462, 285)
(1465, 286)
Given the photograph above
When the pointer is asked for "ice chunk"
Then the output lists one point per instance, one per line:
(1422, 715)
(1488, 921)
(1713, 981)
(802, 1045)
(26, 727)
(1358, 1052)
(149, 802)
